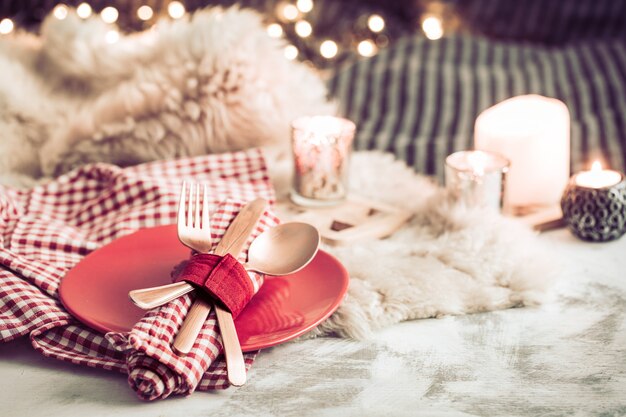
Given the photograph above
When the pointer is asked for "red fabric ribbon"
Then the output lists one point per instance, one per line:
(222, 277)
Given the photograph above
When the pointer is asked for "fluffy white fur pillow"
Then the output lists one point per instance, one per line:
(210, 83)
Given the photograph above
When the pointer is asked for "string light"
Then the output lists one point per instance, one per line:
(432, 27)
(376, 23)
(112, 36)
(145, 12)
(291, 52)
(176, 10)
(329, 49)
(60, 11)
(83, 10)
(109, 14)
(304, 6)
(286, 11)
(275, 30)
(6, 26)
(367, 48)
(290, 12)
(303, 28)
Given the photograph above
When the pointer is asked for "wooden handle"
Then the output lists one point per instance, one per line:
(235, 363)
(148, 298)
(241, 228)
(188, 333)
(232, 242)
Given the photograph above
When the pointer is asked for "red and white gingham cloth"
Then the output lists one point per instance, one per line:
(47, 230)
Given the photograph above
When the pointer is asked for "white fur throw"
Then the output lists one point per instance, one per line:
(211, 82)
(449, 259)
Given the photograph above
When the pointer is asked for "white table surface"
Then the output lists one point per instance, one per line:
(567, 357)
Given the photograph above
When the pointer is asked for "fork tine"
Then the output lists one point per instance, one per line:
(190, 204)
(181, 206)
(196, 219)
(205, 208)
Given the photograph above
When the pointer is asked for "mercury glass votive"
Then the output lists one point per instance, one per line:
(321, 152)
(477, 177)
(594, 204)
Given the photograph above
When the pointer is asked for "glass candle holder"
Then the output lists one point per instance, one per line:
(321, 152)
(594, 204)
(477, 177)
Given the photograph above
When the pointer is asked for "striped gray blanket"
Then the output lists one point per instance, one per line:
(419, 99)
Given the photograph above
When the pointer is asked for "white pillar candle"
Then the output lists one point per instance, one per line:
(533, 132)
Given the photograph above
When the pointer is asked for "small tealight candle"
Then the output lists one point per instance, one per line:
(321, 151)
(594, 204)
(477, 177)
(597, 177)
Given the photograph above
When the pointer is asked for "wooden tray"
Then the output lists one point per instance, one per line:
(354, 220)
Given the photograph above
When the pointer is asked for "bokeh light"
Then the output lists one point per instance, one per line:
(367, 48)
(84, 10)
(291, 52)
(145, 12)
(329, 49)
(109, 14)
(176, 10)
(6, 26)
(432, 27)
(60, 11)
(376, 23)
(304, 6)
(112, 36)
(275, 30)
(290, 12)
(303, 28)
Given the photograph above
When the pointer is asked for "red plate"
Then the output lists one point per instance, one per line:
(95, 291)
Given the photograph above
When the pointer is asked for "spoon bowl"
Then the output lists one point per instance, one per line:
(284, 249)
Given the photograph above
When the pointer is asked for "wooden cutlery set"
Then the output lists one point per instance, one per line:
(281, 250)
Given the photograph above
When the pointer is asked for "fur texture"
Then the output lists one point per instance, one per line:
(449, 259)
(212, 82)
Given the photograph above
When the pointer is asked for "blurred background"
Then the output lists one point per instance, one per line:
(414, 74)
(330, 32)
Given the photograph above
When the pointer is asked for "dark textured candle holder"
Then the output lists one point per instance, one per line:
(595, 214)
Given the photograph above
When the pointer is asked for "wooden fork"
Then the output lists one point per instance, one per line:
(194, 232)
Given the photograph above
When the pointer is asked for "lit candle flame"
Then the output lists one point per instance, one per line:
(596, 166)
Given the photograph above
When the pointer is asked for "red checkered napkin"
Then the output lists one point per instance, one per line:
(154, 370)
(47, 230)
